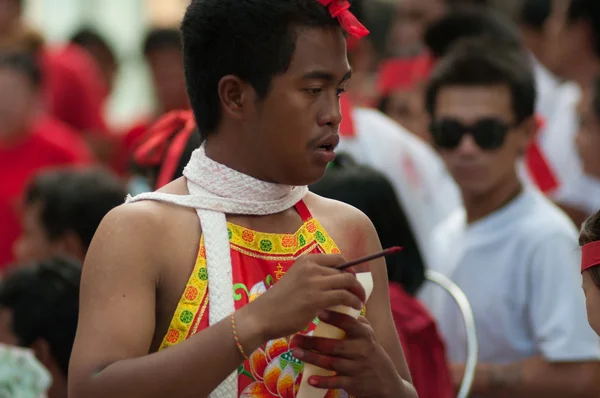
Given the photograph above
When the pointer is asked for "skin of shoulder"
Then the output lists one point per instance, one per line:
(137, 247)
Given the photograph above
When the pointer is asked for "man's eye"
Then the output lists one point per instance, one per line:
(314, 90)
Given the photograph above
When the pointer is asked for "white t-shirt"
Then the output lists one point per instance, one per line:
(557, 103)
(426, 191)
(519, 268)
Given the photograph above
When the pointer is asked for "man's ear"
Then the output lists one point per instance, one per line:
(527, 133)
(235, 96)
(43, 353)
(70, 245)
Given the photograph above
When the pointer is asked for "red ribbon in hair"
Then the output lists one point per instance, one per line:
(340, 9)
(590, 255)
(164, 143)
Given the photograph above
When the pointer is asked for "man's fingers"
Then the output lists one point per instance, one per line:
(336, 364)
(326, 260)
(331, 383)
(331, 347)
(353, 327)
(346, 281)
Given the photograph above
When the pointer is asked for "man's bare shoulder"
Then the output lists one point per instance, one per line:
(349, 227)
(147, 230)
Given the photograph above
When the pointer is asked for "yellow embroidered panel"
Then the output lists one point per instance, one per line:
(194, 301)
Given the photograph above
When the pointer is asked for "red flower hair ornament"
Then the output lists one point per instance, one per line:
(340, 9)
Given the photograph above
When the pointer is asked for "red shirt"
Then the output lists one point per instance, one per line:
(74, 88)
(48, 144)
(423, 347)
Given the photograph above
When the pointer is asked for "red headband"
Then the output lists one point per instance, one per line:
(590, 255)
(164, 144)
(340, 9)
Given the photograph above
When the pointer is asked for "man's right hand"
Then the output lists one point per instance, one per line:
(311, 285)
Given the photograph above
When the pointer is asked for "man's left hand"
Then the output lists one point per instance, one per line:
(362, 368)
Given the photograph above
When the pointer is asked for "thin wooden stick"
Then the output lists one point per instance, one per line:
(386, 252)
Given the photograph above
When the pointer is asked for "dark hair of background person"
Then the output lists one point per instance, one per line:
(590, 232)
(158, 39)
(44, 301)
(260, 37)
(23, 62)
(535, 13)
(87, 37)
(481, 62)
(474, 21)
(370, 192)
(74, 200)
(589, 11)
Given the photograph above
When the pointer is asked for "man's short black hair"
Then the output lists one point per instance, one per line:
(480, 62)
(589, 11)
(251, 39)
(535, 13)
(74, 200)
(89, 37)
(370, 191)
(158, 39)
(23, 62)
(471, 21)
(44, 301)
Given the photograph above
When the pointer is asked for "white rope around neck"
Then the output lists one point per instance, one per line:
(216, 190)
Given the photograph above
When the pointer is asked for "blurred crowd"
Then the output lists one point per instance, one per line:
(471, 137)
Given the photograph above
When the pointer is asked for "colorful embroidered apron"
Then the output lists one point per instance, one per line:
(259, 260)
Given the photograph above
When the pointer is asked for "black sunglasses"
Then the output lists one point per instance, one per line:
(488, 133)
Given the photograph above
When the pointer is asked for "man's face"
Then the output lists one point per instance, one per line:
(564, 42)
(485, 116)
(588, 136)
(34, 243)
(18, 103)
(10, 14)
(168, 77)
(7, 336)
(295, 128)
(406, 108)
(592, 301)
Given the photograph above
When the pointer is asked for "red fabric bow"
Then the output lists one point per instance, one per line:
(340, 9)
(164, 143)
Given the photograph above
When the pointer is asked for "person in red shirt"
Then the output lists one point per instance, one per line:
(28, 142)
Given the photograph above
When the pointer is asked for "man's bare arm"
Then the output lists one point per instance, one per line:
(116, 326)
(536, 377)
(379, 312)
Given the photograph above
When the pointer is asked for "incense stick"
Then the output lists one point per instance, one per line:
(386, 252)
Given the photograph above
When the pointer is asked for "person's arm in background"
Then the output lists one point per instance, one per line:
(568, 364)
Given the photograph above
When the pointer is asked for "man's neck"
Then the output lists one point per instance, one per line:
(58, 389)
(480, 206)
(586, 72)
(219, 148)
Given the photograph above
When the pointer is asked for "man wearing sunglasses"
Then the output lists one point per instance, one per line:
(510, 249)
